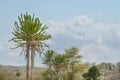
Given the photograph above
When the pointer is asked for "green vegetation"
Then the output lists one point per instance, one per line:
(44, 74)
(18, 74)
(30, 34)
(93, 73)
(62, 66)
(48, 60)
(3, 77)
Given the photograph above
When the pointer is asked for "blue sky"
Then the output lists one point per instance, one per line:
(91, 25)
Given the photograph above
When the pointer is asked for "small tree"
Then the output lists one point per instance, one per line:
(86, 76)
(73, 60)
(92, 74)
(48, 60)
(60, 65)
(18, 74)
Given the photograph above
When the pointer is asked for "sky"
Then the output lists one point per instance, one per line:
(93, 26)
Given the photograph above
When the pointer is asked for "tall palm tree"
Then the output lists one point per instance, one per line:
(30, 34)
(38, 38)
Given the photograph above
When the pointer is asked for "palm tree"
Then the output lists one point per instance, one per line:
(60, 64)
(38, 36)
(48, 60)
(22, 40)
(73, 58)
(29, 34)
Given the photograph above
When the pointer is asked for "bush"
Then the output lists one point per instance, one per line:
(3, 77)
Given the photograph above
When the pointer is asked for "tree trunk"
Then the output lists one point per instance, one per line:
(51, 76)
(60, 76)
(32, 61)
(27, 63)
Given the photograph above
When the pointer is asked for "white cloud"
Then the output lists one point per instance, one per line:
(99, 53)
(56, 27)
(9, 56)
(81, 20)
(95, 39)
